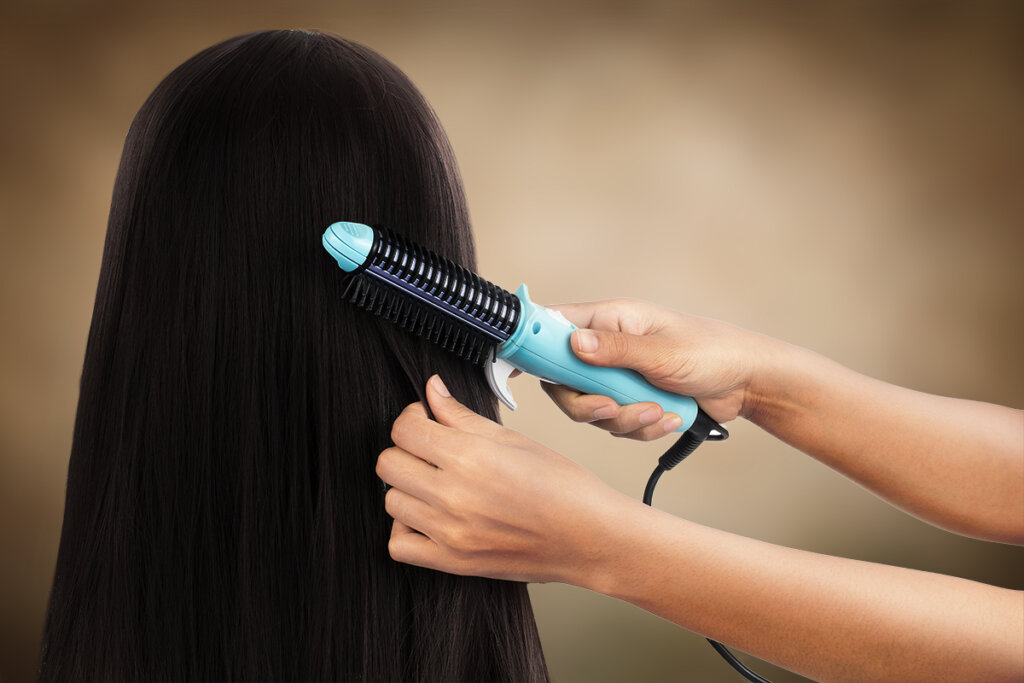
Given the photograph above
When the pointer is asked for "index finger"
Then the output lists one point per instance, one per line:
(415, 433)
(412, 547)
(618, 315)
(580, 314)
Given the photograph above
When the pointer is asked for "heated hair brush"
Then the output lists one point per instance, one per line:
(483, 323)
(420, 291)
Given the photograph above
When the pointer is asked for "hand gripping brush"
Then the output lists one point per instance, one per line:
(419, 291)
(430, 296)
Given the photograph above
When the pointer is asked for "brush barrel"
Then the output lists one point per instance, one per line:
(540, 346)
(420, 291)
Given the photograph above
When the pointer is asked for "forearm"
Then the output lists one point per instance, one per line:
(471, 497)
(828, 618)
(955, 463)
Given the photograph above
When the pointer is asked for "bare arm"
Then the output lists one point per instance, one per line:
(472, 497)
(828, 618)
(957, 464)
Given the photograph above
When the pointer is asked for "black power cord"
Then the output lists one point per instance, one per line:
(703, 429)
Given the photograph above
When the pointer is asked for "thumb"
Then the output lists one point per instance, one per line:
(646, 354)
(448, 411)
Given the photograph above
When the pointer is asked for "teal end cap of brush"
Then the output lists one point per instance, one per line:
(348, 243)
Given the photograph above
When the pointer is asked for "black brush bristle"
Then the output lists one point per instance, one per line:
(432, 297)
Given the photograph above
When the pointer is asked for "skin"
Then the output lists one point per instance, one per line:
(471, 497)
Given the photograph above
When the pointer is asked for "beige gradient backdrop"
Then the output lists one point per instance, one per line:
(848, 178)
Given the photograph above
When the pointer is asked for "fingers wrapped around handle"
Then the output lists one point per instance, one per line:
(640, 421)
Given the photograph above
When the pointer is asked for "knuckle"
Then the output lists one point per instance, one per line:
(408, 432)
(395, 549)
(463, 541)
(454, 537)
(625, 308)
(566, 408)
(620, 344)
(563, 399)
(391, 501)
(646, 435)
(663, 363)
(384, 462)
(618, 425)
(398, 429)
(565, 403)
(455, 500)
(578, 413)
(460, 412)
(622, 303)
(626, 431)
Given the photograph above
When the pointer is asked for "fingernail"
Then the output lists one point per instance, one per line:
(649, 416)
(606, 412)
(673, 423)
(586, 341)
(439, 386)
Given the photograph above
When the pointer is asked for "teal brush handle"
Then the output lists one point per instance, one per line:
(540, 346)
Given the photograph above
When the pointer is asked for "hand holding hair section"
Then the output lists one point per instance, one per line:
(470, 496)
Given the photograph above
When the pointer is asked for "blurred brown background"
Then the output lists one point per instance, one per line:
(849, 177)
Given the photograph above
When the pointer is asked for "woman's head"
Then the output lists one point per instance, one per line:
(223, 519)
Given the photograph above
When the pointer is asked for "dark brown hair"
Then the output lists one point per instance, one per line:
(223, 519)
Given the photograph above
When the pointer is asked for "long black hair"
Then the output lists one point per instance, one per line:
(223, 519)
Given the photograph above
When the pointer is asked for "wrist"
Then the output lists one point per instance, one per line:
(794, 389)
(619, 559)
(777, 383)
